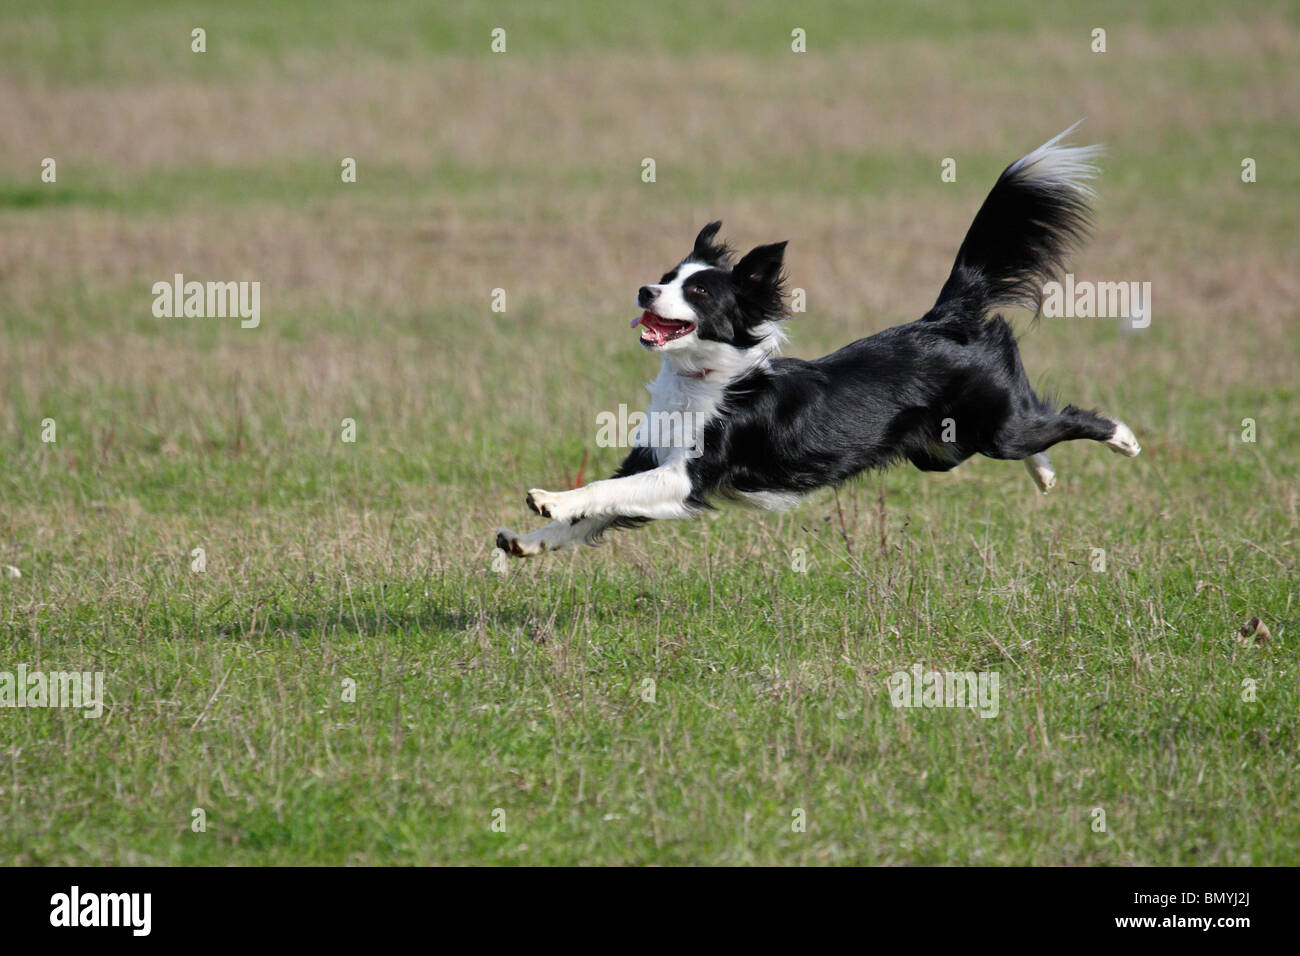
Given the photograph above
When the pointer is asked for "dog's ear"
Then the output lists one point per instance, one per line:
(704, 241)
(761, 266)
(708, 251)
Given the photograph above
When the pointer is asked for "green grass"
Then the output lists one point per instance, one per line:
(519, 688)
(76, 41)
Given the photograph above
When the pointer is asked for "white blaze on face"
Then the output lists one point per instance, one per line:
(671, 302)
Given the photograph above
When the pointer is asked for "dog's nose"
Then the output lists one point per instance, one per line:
(646, 295)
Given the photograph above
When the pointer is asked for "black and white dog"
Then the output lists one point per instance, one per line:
(745, 425)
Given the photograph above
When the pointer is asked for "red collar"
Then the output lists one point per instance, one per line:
(699, 374)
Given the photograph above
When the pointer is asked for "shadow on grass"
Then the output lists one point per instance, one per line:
(374, 623)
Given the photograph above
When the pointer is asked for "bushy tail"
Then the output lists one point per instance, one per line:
(1035, 216)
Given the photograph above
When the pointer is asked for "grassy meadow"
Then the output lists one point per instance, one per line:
(354, 679)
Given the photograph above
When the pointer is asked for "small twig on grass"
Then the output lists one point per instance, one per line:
(204, 712)
(1038, 693)
(844, 531)
(582, 470)
(883, 517)
(998, 645)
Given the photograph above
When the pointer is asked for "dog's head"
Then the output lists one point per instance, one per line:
(704, 299)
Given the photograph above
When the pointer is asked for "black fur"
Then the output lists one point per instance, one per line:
(799, 425)
(933, 392)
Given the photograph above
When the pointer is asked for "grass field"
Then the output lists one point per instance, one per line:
(499, 715)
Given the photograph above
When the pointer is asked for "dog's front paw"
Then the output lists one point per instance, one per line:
(552, 504)
(515, 546)
(539, 501)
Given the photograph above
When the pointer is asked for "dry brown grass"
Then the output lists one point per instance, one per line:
(915, 96)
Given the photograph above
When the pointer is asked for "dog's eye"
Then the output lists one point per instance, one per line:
(696, 290)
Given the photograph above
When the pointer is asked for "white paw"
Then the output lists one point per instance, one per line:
(1123, 441)
(556, 505)
(540, 501)
(517, 546)
(1040, 469)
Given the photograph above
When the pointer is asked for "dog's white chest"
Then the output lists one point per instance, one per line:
(680, 406)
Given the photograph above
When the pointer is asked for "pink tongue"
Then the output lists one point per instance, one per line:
(658, 333)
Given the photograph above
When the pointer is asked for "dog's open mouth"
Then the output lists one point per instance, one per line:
(656, 330)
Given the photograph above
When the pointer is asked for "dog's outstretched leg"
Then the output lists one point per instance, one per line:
(600, 498)
(1040, 469)
(661, 492)
(1024, 435)
(556, 536)
(1123, 442)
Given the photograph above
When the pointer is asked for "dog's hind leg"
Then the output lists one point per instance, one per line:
(1024, 435)
(1028, 438)
(1123, 442)
(1040, 469)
